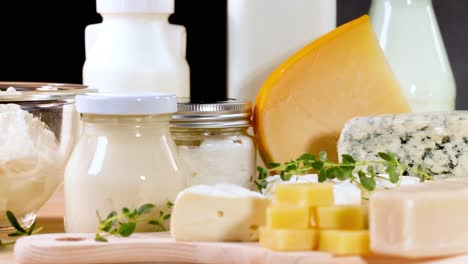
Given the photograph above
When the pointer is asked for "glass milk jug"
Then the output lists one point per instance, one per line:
(410, 38)
(263, 33)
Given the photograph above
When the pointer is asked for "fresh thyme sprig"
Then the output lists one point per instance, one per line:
(346, 170)
(20, 231)
(125, 223)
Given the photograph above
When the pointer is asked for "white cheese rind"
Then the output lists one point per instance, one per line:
(221, 212)
(438, 141)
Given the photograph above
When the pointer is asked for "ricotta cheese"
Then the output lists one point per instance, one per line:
(30, 166)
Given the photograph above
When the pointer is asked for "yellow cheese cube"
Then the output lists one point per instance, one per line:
(310, 194)
(288, 239)
(288, 216)
(345, 242)
(340, 217)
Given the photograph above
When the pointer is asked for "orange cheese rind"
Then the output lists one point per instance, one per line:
(266, 90)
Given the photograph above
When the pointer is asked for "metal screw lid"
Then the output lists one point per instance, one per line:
(223, 114)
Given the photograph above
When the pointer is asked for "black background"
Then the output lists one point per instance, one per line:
(44, 40)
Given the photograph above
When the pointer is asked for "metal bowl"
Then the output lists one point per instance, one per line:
(38, 128)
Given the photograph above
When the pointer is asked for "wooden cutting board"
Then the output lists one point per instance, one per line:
(161, 248)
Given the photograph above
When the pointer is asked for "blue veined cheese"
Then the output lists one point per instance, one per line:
(437, 141)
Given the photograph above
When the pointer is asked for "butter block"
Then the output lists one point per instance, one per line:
(424, 220)
(345, 242)
(288, 216)
(309, 194)
(222, 212)
(288, 239)
(348, 217)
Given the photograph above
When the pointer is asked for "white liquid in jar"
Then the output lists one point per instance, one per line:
(117, 165)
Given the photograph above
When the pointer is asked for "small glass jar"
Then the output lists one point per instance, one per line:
(213, 142)
(125, 157)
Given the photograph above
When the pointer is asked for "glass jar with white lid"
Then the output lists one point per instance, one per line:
(125, 157)
(214, 143)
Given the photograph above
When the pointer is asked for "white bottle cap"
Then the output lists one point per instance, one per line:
(126, 103)
(135, 6)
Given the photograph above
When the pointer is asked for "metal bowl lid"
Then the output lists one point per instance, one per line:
(38, 91)
(223, 114)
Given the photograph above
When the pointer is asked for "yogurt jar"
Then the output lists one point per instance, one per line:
(125, 157)
(213, 142)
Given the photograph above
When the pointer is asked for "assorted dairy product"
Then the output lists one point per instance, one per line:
(213, 141)
(307, 211)
(125, 157)
(420, 62)
(31, 166)
(348, 217)
(438, 141)
(423, 220)
(136, 49)
(263, 33)
(288, 239)
(221, 212)
(303, 105)
(345, 242)
(344, 192)
(221, 159)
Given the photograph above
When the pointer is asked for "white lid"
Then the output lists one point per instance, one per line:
(135, 6)
(126, 103)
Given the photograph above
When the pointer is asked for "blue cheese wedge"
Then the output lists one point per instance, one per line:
(438, 141)
(221, 212)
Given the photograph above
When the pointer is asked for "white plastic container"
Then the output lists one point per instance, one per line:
(263, 33)
(136, 49)
(125, 157)
(410, 37)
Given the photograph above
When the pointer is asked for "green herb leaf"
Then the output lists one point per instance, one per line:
(154, 222)
(262, 173)
(126, 229)
(273, 164)
(367, 183)
(387, 156)
(347, 173)
(12, 219)
(166, 217)
(261, 184)
(306, 157)
(100, 238)
(285, 176)
(146, 208)
(16, 234)
(31, 229)
(347, 159)
(317, 165)
(169, 205)
(394, 176)
(322, 176)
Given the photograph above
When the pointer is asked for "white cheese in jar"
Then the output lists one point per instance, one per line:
(218, 159)
(214, 143)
